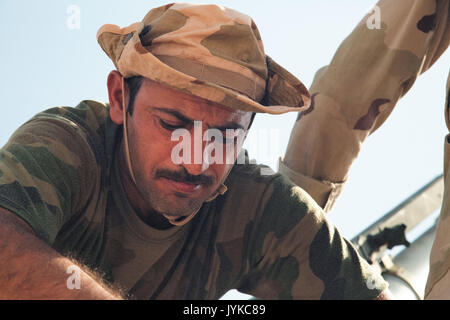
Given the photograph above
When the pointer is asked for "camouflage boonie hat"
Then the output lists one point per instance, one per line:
(208, 51)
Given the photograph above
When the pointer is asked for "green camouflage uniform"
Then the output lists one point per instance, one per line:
(265, 236)
(353, 96)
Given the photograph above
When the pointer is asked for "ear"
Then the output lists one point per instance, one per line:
(114, 84)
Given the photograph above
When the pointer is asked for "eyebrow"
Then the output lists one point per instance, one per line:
(183, 118)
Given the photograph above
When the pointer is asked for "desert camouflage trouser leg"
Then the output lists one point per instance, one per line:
(353, 96)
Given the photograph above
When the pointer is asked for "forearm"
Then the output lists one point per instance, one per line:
(30, 269)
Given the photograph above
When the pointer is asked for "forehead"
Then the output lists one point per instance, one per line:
(154, 95)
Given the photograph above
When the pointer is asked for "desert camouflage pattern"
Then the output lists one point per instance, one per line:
(438, 284)
(352, 97)
(209, 51)
(265, 236)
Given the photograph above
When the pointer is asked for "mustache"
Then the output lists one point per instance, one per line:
(184, 177)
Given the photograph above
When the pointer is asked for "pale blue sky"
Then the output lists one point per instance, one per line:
(45, 64)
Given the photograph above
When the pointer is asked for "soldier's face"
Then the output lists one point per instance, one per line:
(169, 154)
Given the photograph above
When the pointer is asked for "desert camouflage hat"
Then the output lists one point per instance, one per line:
(208, 51)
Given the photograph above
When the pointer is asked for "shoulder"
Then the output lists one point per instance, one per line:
(53, 165)
(257, 182)
(88, 116)
(85, 126)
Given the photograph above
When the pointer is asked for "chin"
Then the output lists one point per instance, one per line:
(175, 203)
(178, 207)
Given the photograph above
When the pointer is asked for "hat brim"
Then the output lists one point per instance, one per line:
(284, 93)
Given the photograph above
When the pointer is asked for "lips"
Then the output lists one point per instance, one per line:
(182, 187)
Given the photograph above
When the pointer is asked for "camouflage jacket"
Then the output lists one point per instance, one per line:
(265, 236)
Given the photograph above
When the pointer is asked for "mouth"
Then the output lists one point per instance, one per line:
(182, 187)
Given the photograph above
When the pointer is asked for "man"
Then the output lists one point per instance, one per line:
(136, 191)
(353, 96)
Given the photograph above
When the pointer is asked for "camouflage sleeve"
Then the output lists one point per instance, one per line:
(438, 282)
(296, 253)
(352, 97)
(41, 177)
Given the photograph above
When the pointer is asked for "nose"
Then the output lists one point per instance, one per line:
(194, 169)
(199, 159)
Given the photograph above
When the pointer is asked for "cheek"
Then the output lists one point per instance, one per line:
(232, 152)
(153, 145)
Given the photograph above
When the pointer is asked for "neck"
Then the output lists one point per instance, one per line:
(136, 199)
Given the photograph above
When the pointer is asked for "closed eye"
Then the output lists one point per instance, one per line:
(228, 136)
(169, 126)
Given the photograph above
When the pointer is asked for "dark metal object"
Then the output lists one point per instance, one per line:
(407, 272)
(389, 237)
(391, 229)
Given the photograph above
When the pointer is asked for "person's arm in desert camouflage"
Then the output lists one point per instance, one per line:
(352, 97)
(438, 283)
